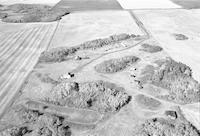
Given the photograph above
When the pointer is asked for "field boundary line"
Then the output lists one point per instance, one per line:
(53, 34)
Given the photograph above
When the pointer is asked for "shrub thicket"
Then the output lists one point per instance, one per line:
(100, 96)
(115, 65)
(175, 77)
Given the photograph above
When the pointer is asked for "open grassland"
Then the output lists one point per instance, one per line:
(163, 24)
(19, 53)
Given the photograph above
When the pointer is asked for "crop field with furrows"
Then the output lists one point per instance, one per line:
(19, 52)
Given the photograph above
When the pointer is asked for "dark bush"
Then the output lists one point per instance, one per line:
(115, 65)
(57, 54)
(180, 37)
(62, 53)
(151, 48)
(100, 96)
(177, 78)
(19, 131)
(98, 43)
(163, 127)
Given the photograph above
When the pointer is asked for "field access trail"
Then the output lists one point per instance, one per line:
(19, 52)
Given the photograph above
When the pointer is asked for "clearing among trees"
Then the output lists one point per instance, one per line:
(147, 102)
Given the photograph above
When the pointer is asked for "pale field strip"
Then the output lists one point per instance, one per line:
(19, 53)
(148, 4)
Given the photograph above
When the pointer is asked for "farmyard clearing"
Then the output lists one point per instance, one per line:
(101, 71)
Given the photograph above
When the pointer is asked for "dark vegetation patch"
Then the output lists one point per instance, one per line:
(37, 124)
(18, 131)
(177, 78)
(21, 13)
(28, 116)
(188, 4)
(164, 127)
(180, 37)
(85, 5)
(98, 43)
(99, 96)
(147, 102)
(57, 54)
(116, 65)
(151, 48)
(62, 53)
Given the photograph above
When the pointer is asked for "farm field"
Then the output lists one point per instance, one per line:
(107, 68)
(147, 4)
(89, 25)
(19, 54)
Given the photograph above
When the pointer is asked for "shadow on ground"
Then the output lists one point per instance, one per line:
(82, 5)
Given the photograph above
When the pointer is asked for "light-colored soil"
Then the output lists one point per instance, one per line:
(147, 4)
(192, 113)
